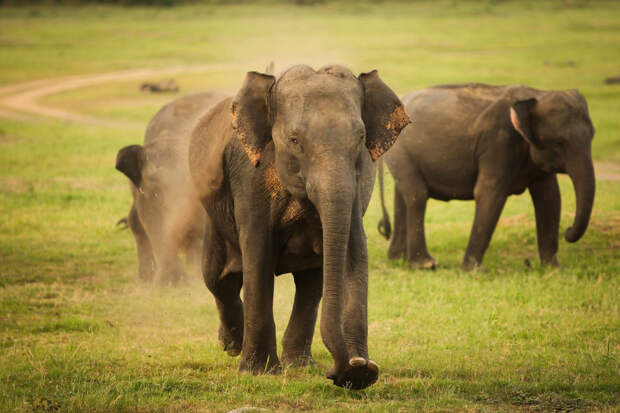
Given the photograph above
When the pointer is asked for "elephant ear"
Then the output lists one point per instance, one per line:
(250, 114)
(383, 113)
(130, 160)
(521, 119)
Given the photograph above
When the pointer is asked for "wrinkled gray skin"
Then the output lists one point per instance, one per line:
(481, 142)
(284, 171)
(166, 216)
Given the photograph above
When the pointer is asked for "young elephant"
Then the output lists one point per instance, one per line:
(483, 142)
(166, 216)
(284, 170)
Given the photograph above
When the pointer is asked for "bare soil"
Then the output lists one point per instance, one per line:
(21, 101)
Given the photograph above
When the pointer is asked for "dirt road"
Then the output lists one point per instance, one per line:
(21, 101)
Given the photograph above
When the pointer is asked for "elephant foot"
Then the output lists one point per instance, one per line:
(260, 364)
(230, 340)
(358, 374)
(146, 272)
(395, 255)
(470, 264)
(166, 278)
(427, 263)
(551, 262)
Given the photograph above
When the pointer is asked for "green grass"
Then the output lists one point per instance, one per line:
(78, 332)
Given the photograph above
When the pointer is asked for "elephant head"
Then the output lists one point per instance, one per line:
(325, 125)
(558, 129)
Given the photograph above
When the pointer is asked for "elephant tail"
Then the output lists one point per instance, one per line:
(384, 227)
(123, 223)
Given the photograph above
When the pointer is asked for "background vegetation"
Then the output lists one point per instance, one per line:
(78, 332)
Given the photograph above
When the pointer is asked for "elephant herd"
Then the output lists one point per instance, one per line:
(277, 178)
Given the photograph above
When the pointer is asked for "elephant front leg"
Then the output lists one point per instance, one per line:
(259, 353)
(297, 341)
(490, 200)
(225, 288)
(146, 260)
(547, 201)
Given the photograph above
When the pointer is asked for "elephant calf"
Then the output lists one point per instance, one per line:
(475, 141)
(284, 170)
(166, 216)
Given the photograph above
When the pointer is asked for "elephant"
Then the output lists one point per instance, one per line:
(482, 142)
(166, 216)
(285, 171)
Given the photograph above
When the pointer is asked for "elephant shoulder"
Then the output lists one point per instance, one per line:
(209, 139)
(494, 118)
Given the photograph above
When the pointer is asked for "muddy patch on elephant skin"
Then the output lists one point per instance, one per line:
(273, 185)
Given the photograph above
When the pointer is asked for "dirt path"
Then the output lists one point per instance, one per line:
(20, 101)
(607, 171)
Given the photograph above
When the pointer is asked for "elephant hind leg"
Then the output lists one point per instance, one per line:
(398, 244)
(297, 340)
(414, 197)
(224, 280)
(146, 260)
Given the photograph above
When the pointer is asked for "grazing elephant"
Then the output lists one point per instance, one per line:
(166, 216)
(483, 142)
(284, 170)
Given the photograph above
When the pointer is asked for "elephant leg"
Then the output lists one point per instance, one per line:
(359, 371)
(193, 253)
(167, 248)
(146, 261)
(169, 266)
(490, 200)
(259, 351)
(225, 287)
(398, 245)
(415, 196)
(547, 201)
(297, 340)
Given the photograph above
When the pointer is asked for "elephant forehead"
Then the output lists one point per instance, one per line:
(310, 104)
(318, 86)
(558, 113)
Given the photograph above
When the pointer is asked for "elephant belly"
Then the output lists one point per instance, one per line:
(448, 182)
(446, 192)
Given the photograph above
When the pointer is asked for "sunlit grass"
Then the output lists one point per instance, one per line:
(78, 331)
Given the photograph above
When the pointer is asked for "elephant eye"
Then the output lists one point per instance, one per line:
(293, 140)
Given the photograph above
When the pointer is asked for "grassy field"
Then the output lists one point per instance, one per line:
(78, 332)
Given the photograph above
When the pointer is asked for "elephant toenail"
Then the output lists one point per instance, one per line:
(358, 362)
(372, 366)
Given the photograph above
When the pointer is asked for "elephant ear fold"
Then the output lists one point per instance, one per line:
(250, 114)
(383, 113)
(130, 160)
(521, 119)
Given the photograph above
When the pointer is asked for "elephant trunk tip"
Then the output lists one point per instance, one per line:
(573, 235)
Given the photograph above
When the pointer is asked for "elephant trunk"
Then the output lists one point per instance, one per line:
(581, 173)
(333, 197)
